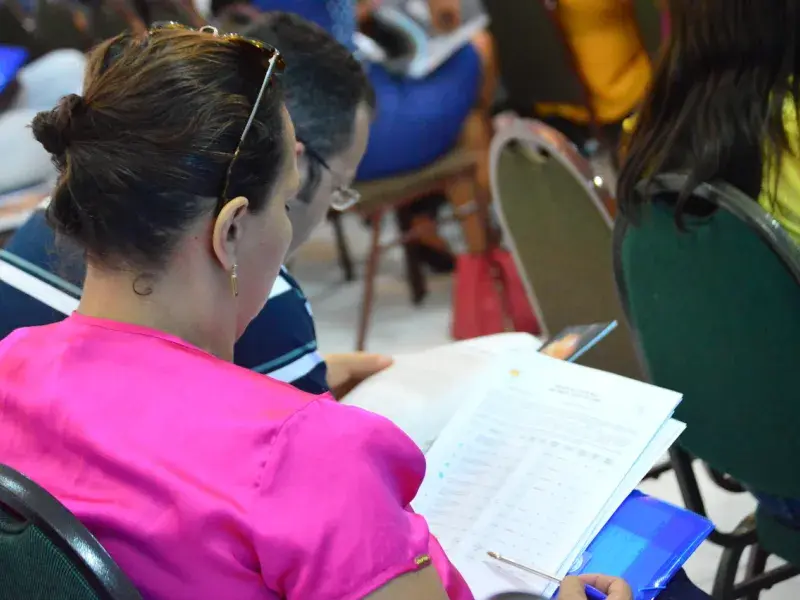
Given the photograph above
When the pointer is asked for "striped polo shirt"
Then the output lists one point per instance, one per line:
(40, 283)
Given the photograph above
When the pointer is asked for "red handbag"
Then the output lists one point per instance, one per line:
(489, 297)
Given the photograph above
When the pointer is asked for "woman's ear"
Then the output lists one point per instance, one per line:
(228, 231)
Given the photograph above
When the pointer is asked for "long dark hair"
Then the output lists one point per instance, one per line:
(717, 97)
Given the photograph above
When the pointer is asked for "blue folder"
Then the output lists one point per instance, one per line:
(646, 542)
(11, 61)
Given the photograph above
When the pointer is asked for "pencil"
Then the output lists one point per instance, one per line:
(591, 592)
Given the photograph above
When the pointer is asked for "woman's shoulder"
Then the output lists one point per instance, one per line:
(357, 444)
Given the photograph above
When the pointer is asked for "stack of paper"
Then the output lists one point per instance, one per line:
(532, 457)
(429, 49)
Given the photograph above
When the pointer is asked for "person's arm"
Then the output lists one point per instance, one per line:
(421, 585)
(331, 514)
(346, 370)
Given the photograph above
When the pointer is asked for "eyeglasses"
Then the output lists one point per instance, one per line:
(271, 59)
(343, 197)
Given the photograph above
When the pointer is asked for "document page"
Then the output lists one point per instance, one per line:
(531, 460)
(421, 392)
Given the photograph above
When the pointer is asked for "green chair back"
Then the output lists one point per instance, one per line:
(556, 222)
(716, 311)
(46, 553)
(648, 19)
(536, 63)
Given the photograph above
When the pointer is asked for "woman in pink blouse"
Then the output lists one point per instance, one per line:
(203, 480)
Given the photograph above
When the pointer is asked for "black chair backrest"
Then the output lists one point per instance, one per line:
(536, 63)
(45, 552)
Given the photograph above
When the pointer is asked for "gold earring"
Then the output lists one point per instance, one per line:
(234, 282)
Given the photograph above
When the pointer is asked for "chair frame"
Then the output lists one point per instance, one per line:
(744, 535)
(376, 248)
(35, 505)
(519, 130)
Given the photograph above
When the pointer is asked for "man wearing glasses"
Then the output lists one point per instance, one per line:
(331, 103)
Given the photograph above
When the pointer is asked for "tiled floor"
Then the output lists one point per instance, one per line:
(399, 327)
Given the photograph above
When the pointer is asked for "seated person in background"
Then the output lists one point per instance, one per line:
(418, 120)
(203, 480)
(330, 101)
(724, 106)
(606, 43)
(41, 83)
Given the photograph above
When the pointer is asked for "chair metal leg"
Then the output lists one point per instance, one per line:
(756, 565)
(687, 482)
(725, 579)
(414, 273)
(726, 482)
(693, 500)
(659, 469)
(369, 279)
(756, 579)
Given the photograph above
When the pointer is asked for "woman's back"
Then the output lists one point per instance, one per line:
(201, 479)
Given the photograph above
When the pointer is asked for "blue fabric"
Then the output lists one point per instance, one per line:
(11, 61)
(680, 588)
(417, 121)
(784, 510)
(281, 341)
(315, 11)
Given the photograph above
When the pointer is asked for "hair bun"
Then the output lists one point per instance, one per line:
(54, 129)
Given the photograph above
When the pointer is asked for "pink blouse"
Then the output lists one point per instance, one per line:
(207, 481)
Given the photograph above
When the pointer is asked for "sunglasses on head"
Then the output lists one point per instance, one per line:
(272, 61)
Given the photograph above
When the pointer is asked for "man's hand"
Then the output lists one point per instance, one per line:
(445, 14)
(574, 588)
(347, 370)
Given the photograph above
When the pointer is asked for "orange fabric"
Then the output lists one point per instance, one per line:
(604, 37)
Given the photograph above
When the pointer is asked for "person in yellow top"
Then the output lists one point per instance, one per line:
(605, 40)
(723, 105)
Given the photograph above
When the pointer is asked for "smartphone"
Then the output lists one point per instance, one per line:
(573, 342)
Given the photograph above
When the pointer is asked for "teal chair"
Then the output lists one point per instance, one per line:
(45, 552)
(714, 312)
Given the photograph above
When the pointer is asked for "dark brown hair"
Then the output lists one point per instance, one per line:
(144, 152)
(323, 82)
(717, 98)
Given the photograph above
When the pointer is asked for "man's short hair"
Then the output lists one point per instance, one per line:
(323, 83)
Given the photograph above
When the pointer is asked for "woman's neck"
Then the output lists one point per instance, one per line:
(163, 304)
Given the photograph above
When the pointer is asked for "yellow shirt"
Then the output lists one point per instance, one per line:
(604, 37)
(781, 201)
(785, 206)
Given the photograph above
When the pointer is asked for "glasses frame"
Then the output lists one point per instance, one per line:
(272, 61)
(344, 197)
